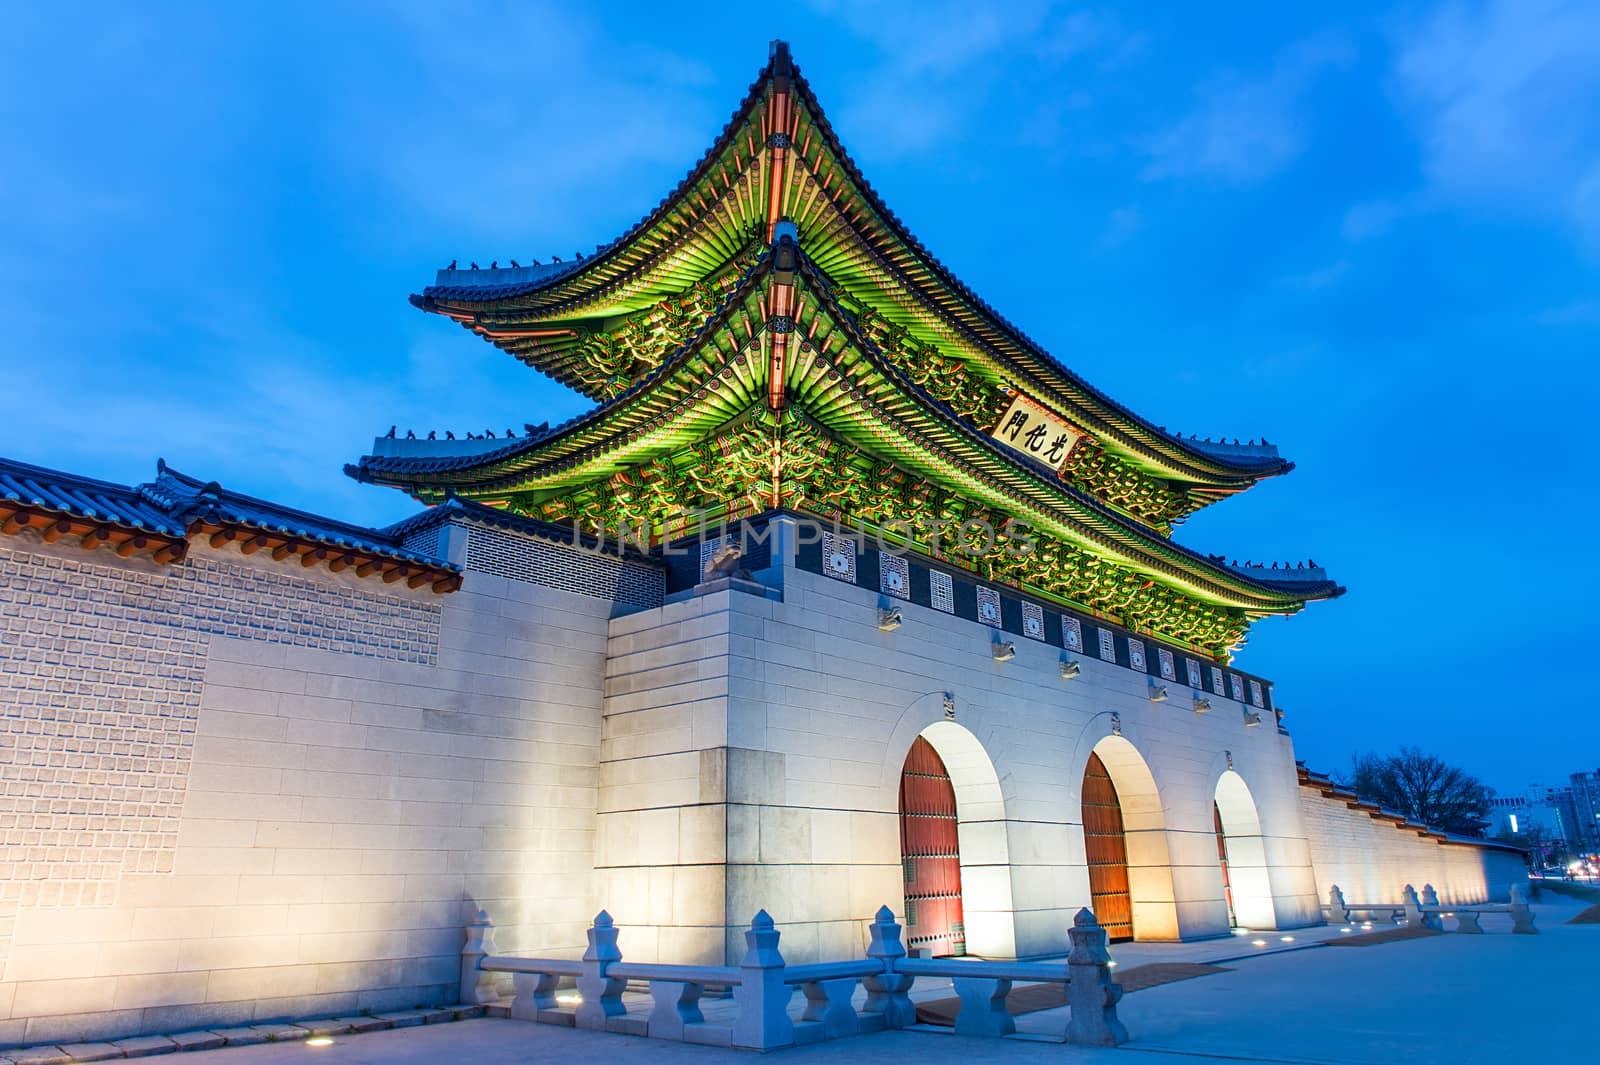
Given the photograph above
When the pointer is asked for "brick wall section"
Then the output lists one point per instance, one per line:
(347, 770)
(1372, 861)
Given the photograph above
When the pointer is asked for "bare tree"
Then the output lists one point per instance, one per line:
(1424, 788)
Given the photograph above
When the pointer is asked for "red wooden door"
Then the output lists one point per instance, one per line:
(1222, 857)
(930, 855)
(1107, 851)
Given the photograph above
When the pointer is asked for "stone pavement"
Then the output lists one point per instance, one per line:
(1461, 1000)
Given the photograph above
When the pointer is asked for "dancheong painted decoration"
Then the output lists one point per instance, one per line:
(771, 337)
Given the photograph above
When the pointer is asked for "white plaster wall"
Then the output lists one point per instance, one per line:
(1372, 861)
(338, 813)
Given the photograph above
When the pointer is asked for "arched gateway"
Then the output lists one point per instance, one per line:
(1106, 851)
(930, 853)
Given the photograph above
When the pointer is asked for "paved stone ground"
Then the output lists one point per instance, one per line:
(1461, 1000)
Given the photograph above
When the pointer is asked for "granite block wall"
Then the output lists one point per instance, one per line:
(1372, 860)
(232, 790)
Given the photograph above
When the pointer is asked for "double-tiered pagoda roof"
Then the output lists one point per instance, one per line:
(771, 336)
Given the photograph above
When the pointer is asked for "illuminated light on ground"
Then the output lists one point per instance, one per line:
(1258, 942)
(1345, 931)
(320, 1041)
(572, 998)
(1241, 931)
(1111, 965)
(1286, 939)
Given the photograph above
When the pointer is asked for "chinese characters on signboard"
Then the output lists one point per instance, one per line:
(1034, 431)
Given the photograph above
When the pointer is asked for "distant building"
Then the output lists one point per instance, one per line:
(1541, 819)
(1585, 800)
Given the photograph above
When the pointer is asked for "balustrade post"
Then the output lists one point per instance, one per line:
(477, 986)
(1091, 992)
(1430, 901)
(1521, 914)
(1412, 907)
(762, 997)
(1337, 904)
(889, 992)
(602, 995)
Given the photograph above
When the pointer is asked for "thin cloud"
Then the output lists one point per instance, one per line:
(1364, 221)
(1503, 95)
(1578, 312)
(1244, 130)
(1321, 278)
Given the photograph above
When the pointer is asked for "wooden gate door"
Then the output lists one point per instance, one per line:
(1222, 857)
(1107, 851)
(930, 854)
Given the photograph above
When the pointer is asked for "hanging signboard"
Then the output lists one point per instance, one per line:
(1029, 428)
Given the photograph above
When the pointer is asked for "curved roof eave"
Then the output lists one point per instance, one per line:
(1248, 468)
(394, 470)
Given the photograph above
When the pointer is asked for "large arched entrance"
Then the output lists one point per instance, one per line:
(1242, 853)
(930, 852)
(1106, 851)
(1125, 844)
(955, 848)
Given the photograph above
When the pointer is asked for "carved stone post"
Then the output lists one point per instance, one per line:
(1412, 906)
(888, 993)
(602, 995)
(477, 986)
(1336, 903)
(1430, 901)
(762, 996)
(1091, 993)
(1521, 915)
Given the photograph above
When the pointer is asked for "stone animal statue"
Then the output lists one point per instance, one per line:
(725, 563)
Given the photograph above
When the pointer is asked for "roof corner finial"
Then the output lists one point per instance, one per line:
(782, 65)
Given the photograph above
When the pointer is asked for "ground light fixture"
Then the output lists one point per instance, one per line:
(320, 1041)
(1258, 942)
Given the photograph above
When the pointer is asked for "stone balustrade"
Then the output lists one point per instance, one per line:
(1339, 911)
(1425, 911)
(763, 984)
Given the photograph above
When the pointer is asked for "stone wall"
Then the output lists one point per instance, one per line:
(1373, 860)
(820, 708)
(236, 790)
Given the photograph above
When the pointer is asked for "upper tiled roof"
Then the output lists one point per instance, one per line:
(1323, 781)
(196, 500)
(161, 516)
(84, 497)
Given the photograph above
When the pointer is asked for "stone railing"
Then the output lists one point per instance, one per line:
(763, 984)
(1339, 911)
(1425, 911)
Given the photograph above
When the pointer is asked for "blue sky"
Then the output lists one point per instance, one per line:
(1372, 237)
